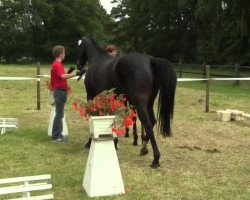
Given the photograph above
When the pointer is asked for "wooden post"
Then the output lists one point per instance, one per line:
(38, 87)
(207, 87)
(204, 69)
(237, 73)
(180, 69)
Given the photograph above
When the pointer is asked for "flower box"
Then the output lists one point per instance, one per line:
(101, 126)
(106, 105)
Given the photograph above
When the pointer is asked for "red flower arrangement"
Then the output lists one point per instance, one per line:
(105, 104)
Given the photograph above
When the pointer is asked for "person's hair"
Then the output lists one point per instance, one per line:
(110, 48)
(57, 50)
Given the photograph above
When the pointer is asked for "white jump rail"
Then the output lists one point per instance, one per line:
(207, 80)
(214, 79)
(16, 78)
(48, 76)
(26, 185)
(179, 79)
(8, 123)
(6, 78)
(228, 115)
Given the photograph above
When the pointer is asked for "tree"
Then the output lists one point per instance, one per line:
(33, 27)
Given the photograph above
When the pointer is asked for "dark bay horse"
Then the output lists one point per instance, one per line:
(140, 77)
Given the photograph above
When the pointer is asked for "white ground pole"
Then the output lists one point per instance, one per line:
(102, 174)
(52, 116)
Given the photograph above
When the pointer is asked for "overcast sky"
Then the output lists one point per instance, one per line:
(107, 5)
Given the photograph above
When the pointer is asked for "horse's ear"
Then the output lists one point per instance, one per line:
(78, 35)
(86, 34)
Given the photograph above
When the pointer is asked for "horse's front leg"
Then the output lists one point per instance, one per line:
(135, 143)
(142, 133)
(88, 144)
(127, 132)
(90, 96)
(116, 142)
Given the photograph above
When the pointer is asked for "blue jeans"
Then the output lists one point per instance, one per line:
(60, 98)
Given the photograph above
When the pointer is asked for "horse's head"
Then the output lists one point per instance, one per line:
(82, 54)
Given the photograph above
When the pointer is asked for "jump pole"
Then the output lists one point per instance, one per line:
(38, 87)
(207, 88)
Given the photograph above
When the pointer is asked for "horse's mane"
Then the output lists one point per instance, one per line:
(96, 45)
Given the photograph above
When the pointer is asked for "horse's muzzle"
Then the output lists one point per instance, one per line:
(79, 65)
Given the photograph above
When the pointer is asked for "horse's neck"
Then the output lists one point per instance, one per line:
(94, 57)
(93, 52)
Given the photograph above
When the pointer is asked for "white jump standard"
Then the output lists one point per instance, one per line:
(228, 115)
(102, 174)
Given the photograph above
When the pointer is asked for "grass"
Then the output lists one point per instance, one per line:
(205, 158)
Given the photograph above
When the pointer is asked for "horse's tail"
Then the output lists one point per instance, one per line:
(165, 76)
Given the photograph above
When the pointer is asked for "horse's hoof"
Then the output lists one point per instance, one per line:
(144, 152)
(135, 143)
(87, 145)
(155, 165)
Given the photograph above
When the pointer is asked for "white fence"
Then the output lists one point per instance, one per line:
(207, 80)
(26, 185)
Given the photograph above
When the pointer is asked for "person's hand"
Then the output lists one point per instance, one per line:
(79, 73)
(71, 69)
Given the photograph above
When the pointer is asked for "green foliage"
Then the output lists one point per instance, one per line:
(211, 31)
(32, 28)
(191, 30)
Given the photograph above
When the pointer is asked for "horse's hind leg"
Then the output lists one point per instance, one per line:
(142, 133)
(151, 110)
(145, 119)
(152, 120)
(151, 114)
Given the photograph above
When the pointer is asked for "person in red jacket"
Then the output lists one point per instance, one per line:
(59, 85)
